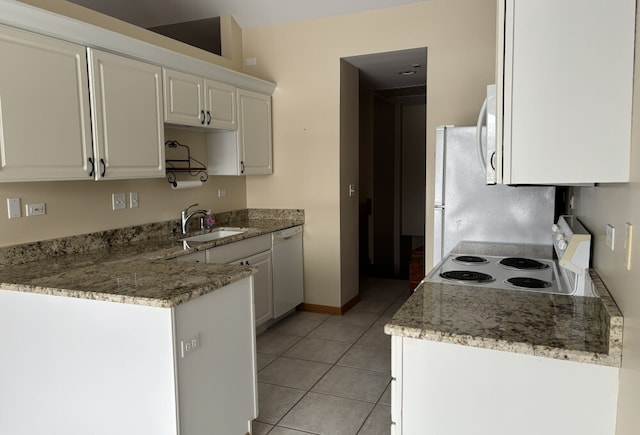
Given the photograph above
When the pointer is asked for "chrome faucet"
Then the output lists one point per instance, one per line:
(185, 216)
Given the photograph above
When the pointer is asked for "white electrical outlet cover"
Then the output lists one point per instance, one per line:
(611, 233)
(118, 201)
(13, 208)
(133, 199)
(628, 245)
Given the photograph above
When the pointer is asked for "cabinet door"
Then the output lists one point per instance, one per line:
(45, 127)
(183, 98)
(254, 133)
(262, 285)
(126, 103)
(220, 102)
(567, 90)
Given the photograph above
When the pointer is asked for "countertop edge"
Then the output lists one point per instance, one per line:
(611, 320)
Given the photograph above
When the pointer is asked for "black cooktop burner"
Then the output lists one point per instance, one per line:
(526, 282)
(470, 259)
(522, 263)
(466, 276)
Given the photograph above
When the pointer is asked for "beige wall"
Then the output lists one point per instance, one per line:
(616, 205)
(80, 207)
(304, 60)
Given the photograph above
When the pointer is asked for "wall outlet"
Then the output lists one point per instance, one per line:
(222, 193)
(118, 201)
(35, 209)
(611, 233)
(190, 345)
(13, 208)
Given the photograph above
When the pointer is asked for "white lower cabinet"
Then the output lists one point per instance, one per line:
(449, 389)
(85, 366)
(262, 285)
(256, 252)
(217, 384)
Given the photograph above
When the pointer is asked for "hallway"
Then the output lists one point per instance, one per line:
(330, 374)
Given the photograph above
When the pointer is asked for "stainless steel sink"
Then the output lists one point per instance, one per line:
(215, 234)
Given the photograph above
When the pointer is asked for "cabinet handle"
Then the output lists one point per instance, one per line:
(93, 167)
(208, 118)
(242, 167)
(103, 165)
(202, 116)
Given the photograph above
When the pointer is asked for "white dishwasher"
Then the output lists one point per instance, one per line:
(288, 282)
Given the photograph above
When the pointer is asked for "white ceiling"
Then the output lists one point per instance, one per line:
(383, 70)
(248, 13)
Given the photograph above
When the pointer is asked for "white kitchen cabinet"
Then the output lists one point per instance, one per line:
(198, 102)
(249, 151)
(126, 106)
(256, 252)
(217, 382)
(45, 124)
(107, 368)
(262, 285)
(564, 76)
(497, 392)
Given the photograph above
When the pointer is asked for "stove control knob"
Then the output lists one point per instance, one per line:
(559, 236)
(562, 245)
(555, 228)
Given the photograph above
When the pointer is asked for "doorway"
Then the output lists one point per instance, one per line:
(392, 161)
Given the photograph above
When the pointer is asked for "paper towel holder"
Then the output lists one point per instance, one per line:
(190, 165)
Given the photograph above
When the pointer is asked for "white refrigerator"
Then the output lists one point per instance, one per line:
(467, 209)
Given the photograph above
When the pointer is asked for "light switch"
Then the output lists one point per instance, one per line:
(628, 244)
(13, 207)
(133, 199)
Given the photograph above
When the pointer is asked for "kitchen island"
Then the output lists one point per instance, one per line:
(112, 335)
(487, 361)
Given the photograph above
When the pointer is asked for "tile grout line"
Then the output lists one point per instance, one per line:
(367, 328)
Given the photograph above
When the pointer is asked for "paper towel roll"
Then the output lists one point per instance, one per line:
(186, 184)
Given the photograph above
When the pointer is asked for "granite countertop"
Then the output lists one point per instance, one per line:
(580, 329)
(132, 265)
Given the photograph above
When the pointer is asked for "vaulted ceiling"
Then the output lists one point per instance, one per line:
(248, 13)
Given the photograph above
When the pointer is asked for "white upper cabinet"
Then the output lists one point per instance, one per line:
(197, 102)
(249, 151)
(254, 133)
(564, 76)
(128, 128)
(220, 104)
(45, 127)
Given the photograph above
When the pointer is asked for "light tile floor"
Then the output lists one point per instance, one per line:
(323, 374)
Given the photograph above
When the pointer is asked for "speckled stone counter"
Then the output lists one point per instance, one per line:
(133, 265)
(580, 329)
